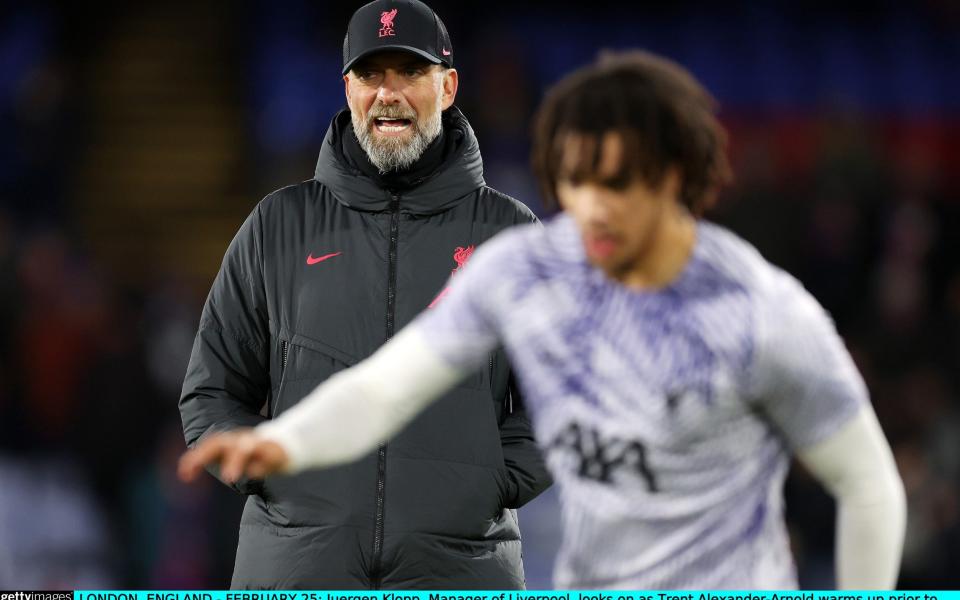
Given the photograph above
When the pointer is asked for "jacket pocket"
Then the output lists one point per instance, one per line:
(303, 364)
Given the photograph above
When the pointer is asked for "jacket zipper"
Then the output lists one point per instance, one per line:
(284, 349)
(503, 412)
(391, 329)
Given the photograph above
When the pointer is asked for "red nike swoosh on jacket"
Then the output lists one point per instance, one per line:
(312, 261)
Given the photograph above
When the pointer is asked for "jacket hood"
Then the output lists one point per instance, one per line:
(460, 173)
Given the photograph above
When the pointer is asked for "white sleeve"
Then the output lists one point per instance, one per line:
(352, 412)
(856, 466)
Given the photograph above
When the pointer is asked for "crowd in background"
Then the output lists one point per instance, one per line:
(843, 131)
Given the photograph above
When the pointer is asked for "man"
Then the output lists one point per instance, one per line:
(670, 370)
(319, 276)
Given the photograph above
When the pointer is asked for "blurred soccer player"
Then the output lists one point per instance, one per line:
(671, 370)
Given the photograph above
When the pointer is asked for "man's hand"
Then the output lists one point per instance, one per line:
(239, 452)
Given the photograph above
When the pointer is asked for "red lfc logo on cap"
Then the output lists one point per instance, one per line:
(386, 19)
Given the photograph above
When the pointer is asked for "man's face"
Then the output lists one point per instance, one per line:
(396, 100)
(618, 219)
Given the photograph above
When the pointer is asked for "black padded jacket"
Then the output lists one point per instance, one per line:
(319, 276)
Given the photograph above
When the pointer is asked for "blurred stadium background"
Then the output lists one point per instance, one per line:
(135, 137)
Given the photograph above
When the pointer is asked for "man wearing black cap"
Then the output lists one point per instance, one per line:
(319, 276)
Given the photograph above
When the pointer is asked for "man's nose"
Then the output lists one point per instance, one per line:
(389, 90)
(595, 207)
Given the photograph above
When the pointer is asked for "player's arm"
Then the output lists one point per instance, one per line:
(227, 379)
(856, 466)
(815, 397)
(352, 412)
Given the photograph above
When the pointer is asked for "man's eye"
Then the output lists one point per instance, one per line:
(413, 72)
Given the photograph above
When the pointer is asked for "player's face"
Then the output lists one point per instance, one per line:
(396, 96)
(618, 219)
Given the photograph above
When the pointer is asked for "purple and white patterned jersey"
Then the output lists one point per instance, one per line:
(667, 417)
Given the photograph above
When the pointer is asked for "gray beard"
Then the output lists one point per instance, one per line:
(395, 154)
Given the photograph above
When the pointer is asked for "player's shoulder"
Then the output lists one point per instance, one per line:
(740, 261)
(778, 297)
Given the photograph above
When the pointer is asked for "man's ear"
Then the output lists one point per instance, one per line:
(346, 86)
(451, 80)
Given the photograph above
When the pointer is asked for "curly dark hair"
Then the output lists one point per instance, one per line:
(663, 116)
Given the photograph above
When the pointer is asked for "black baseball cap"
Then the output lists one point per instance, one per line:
(408, 25)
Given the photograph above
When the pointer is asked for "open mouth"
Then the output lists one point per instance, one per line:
(389, 125)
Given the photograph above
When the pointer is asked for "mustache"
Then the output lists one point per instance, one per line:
(390, 112)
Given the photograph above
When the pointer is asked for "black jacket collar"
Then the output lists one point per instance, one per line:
(450, 169)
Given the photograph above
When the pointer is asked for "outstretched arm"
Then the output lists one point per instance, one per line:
(341, 420)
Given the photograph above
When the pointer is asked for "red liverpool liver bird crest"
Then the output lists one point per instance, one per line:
(461, 255)
(386, 19)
